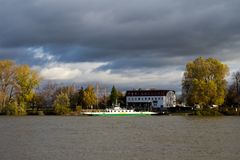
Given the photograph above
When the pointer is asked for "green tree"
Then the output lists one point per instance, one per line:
(71, 92)
(80, 97)
(204, 82)
(13, 108)
(62, 104)
(89, 97)
(114, 96)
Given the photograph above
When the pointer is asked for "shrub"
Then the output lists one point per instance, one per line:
(14, 109)
(230, 111)
(62, 104)
(207, 112)
(79, 109)
(61, 109)
(40, 113)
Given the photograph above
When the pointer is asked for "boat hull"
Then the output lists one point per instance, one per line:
(119, 114)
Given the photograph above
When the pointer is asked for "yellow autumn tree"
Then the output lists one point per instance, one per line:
(17, 83)
(204, 82)
(89, 97)
(26, 80)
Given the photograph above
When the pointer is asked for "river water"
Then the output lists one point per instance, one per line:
(119, 138)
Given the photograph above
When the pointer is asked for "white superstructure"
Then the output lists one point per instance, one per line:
(117, 111)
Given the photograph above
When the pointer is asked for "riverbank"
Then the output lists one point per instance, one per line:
(222, 111)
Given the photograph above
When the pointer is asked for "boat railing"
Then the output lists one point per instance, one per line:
(93, 110)
(108, 110)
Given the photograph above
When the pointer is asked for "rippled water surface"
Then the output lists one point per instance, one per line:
(114, 138)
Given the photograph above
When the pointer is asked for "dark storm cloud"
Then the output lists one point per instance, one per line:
(126, 33)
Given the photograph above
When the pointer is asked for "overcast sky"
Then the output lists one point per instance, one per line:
(127, 43)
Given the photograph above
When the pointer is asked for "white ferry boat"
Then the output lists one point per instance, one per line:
(118, 111)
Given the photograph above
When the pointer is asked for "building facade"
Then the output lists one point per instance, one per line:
(150, 99)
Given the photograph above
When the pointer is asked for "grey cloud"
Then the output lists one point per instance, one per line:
(127, 34)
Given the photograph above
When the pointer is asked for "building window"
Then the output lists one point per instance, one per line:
(155, 103)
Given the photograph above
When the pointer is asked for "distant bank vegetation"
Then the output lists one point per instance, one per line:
(204, 84)
(20, 94)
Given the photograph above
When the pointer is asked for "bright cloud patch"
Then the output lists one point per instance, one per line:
(87, 72)
(39, 53)
(67, 71)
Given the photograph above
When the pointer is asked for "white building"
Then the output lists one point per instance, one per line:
(145, 99)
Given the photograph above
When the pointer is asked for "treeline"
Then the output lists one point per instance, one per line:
(204, 84)
(20, 94)
(57, 99)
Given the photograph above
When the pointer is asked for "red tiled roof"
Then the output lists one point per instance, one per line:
(148, 92)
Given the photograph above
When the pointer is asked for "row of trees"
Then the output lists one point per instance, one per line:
(66, 98)
(63, 99)
(204, 83)
(20, 92)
